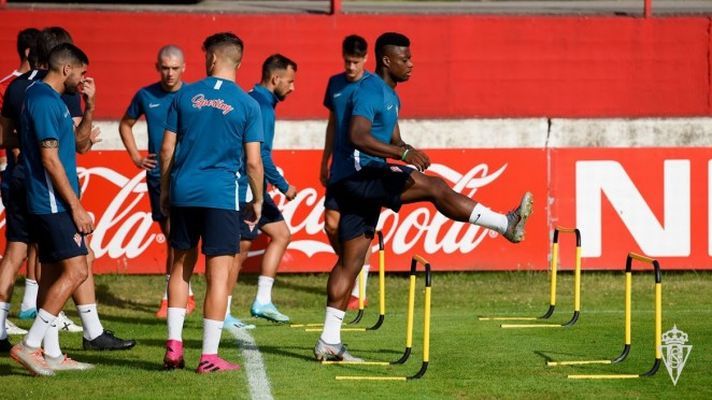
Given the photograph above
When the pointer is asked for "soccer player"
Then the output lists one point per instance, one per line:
(210, 124)
(59, 221)
(278, 74)
(354, 50)
(362, 183)
(26, 39)
(153, 102)
(18, 229)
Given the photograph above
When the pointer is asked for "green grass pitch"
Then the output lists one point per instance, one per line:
(469, 359)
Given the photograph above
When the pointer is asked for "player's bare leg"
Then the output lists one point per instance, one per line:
(262, 306)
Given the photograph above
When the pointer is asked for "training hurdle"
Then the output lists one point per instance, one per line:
(316, 327)
(409, 331)
(627, 345)
(552, 288)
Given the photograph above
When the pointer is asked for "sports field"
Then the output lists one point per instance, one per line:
(469, 359)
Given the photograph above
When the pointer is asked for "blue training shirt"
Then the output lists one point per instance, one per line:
(213, 119)
(46, 116)
(339, 100)
(374, 100)
(153, 102)
(267, 102)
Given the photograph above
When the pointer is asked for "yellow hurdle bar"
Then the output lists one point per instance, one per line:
(305, 325)
(582, 362)
(381, 281)
(623, 376)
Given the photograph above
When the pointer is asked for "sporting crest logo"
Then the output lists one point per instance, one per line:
(675, 352)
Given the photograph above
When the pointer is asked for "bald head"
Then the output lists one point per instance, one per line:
(223, 50)
(170, 65)
(170, 51)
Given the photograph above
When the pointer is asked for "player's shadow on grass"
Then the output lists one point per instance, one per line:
(132, 320)
(546, 355)
(300, 353)
(105, 297)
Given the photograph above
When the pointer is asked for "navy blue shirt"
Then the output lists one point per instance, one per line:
(46, 116)
(374, 100)
(153, 102)
(213, 119)
(12, 110)
(339, 100)
(267, 101)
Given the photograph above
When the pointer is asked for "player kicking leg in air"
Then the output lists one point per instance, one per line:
(364, 183)
(213, 123)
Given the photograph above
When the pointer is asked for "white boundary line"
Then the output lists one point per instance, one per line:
(253, 366)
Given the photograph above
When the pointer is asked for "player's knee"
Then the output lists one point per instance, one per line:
(436, 187)
(78, 275)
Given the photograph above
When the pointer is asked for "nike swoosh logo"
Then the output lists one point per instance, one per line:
(389, 107)
(86, 312)
(44, 320)
(337, 95)
(153, 105)
(340, 319)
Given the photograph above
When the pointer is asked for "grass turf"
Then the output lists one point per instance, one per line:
(469, 359)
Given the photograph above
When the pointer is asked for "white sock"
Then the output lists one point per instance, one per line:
(229, 303)
(29, 299)
(50, 342)
(332, 325)
(487, 218)
(264, 289)
(90, 321)
(190, 289)
(4, 310)
(175, 319)
(364, 270)
(211, 335)
(165, 291)
(39, 328)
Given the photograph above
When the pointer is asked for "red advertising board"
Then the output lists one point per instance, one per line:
(655, 201)
(650, 200)
(126, 241)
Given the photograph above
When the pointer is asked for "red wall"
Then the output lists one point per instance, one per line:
(489, 66)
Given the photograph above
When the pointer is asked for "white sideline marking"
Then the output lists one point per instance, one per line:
(254, 366)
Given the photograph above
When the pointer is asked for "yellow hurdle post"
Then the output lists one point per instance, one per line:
(628, 308)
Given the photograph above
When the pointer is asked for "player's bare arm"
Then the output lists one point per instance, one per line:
(49, 154)
(255, 175)
(360, 136)
(328, 144)
(168, 148)
(83, 131)
(127, 137)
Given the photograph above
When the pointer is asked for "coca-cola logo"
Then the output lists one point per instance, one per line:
(124, 228)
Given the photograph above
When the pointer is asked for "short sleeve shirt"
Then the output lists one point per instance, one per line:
(46, 116)
(153, 102)
(213, 119)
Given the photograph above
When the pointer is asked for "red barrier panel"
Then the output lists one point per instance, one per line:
(489, 66)
(126, 241)
(653, 201)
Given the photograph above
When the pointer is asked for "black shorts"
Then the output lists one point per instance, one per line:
(57, 237)
(219, 229)
(17, 216)
(154, 196)
(361, 196)
(270, 214)
(330, 202)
